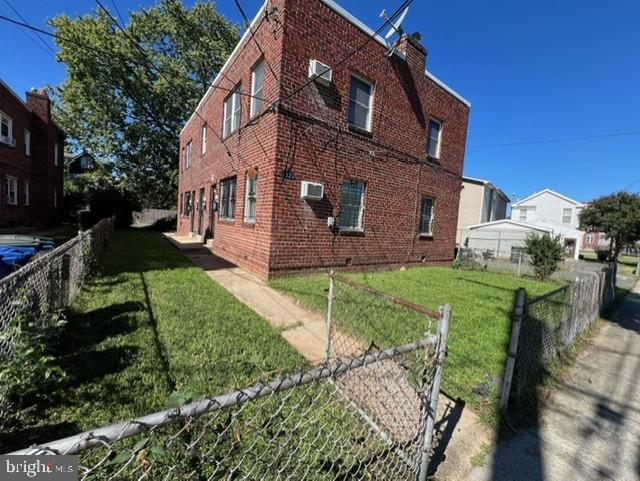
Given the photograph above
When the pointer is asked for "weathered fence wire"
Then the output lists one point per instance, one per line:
(551, 324)
(364, 416)
(49, 282)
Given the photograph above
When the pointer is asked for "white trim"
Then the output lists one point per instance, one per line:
(247, 219)
(27, 193)
(10, 179)
(27, 142)
(509, 221)
(253, 108)
(439, 140)
(226, 64)
(440, 83)
(548, 191)
(203, 140)
(369, 107)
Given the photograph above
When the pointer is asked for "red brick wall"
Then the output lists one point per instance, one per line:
(310, 138)
(38, 169)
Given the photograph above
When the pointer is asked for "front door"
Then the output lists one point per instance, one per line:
(569, 248)
(201, 209)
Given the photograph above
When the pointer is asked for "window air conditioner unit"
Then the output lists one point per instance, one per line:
(311, 191)
(320, 72)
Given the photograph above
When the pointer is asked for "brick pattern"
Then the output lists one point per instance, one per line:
(37, 169)
(308, 137)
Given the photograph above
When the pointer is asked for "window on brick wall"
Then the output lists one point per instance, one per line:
(55, 198)
(11, 189)
(352, 205)
(566, 215)
(426, 216)
(186, 204)
(6, 128)
(26, 193)
(360, 97)
(257, 88)
(27, 142)
(187, 155)
(434, 134)
(203, 148)
(232, 110)
(228, 199)
(56, 152)
(251, 198)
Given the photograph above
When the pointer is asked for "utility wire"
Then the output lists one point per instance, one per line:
(555, 141)
(34, 35)
(250, 28)
(109, 53)
(115, 5)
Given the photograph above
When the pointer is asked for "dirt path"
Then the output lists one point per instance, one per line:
(590, 428)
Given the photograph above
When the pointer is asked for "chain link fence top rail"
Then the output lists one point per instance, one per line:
(49, 282)
(312, 425)
(552, 322)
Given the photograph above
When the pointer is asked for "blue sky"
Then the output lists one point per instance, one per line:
(536, 70)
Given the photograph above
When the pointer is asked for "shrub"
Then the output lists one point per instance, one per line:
(544, 253)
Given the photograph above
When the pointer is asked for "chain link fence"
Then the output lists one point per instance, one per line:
(548, 325)
(50, 281)
(366, 412)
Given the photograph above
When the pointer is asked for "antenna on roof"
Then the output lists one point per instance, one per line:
(396, 27)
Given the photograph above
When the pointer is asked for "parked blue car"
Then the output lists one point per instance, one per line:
(17, 250)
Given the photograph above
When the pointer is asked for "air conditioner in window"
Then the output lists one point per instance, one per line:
(320, 72)
(311, 191)
(8, 140)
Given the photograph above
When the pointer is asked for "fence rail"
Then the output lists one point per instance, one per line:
(545, 327)
(49, 282)
(359, 417)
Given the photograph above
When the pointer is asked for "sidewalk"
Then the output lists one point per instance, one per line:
(590, 428)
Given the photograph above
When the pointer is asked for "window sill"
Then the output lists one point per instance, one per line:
(426, 235)
(226, 220)
(352, 232)
(359, 130)
(250, 224)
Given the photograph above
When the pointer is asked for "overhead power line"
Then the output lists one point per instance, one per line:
(555, 141)
(34, 35)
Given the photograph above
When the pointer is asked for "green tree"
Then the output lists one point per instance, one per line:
(617, 216)
(544, 253)
(127, 96)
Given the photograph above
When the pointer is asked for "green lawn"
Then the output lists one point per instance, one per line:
(626, 264)
(151, 323)
(482, 304)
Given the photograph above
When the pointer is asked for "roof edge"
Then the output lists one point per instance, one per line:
(510, 221)
(548, 191)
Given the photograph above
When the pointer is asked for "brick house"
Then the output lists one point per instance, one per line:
(358, 170)
(31, 160)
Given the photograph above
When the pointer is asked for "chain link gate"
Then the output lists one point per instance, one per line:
(369, 415)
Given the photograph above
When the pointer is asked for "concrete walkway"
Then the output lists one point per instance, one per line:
(590, 428)
(460, 434)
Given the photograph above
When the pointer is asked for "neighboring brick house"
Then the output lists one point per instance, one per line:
(31, 160)
(382, 144)
(596, 241)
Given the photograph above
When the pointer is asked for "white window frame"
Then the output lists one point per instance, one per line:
(27, 142)
(369, 107)
(11, 185)
(224, 185)
(430, 231)
(203, 147)
(26, 193)
(8, 139)
(360, 226)
(522, 214)
(439, 140)
(188, 159)
(589, 238)
(247, 217)
(257, 92)
(564, 211)
(232, 112)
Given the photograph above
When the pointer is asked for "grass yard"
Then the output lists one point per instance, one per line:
(149, 324)
(482, 304)
(626, 264)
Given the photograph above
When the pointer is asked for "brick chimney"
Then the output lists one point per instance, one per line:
(416, 53)
(39, 102)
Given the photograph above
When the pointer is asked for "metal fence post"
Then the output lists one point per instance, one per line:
(519, 262)
(518, 312)
(434, 391)
(329, 320)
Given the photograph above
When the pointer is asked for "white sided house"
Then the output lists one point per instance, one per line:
(545, 211)
(480, 201)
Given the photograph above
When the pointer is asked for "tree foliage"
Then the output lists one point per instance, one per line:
(544, 252)
(127, 96)
(617, 216)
